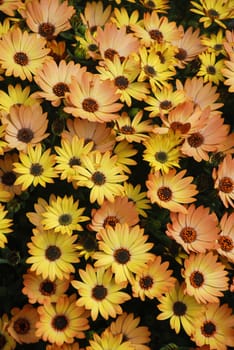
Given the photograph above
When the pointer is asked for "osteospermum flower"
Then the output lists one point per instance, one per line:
(224, 180)
(214, 42)
(137, 197)
(128, 326)
(160, 6)
(8, 175)
(125, 152)
(195, 231)
(228, 72)
(39, 207)
(153, 280)
(62, 321)
(9, 6)
(171, 190)
(214, 327)
(48, 18)
(63, 215)
(181, 309)
(226, 237)
(95, 15)
(99, 293)
(5, 226)
(25, 125)
(205, 278)
(51, 255)
(121, 17)
(16, 96)
(124, 250)
(22, 53)
(22, 326)
(93, 99)
(210, 69)
(109, 341)
(35, 167)
(7, 340)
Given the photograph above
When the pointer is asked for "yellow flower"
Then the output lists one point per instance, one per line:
(4, 226)
(125, 152)
(109, 341)
(139, 198)
(121, 17)
(210, 69)
(16, 96)
(214, 42)
(9, 6)
(3, 143)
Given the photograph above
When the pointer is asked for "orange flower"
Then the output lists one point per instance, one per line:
(226, 237)
(228, 72)
(9, 6)
(94, 15)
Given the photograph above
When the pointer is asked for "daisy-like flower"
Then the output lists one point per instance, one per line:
(132, 129)
(62, 321)
(92, 98)
(25, 125)
(57, 50)
(195, 231)
(205, 278)
(40, 207)
(54, 79)
(22, 53)
(228, 73)
(99, 293)
(95, 15)
(212, 11)
(51, 255)
(226, 237)
(48, 17)
(171, 190)
(35, 167)
(101, 175)
(160, 6)
(139, 198)
(110, 213)
(210, 69)
(123, 74)
(163, 151)
(164, 100)
(181, 309)
(125, 152)
(5, 226)
(87, 46)
(63, 215)
(124, 250)
(86, 244)
(6, 340)
(224, 181)
(22, 325)
(16, 96)
(214, 327)
(9, 6)
(121, 18)
(153, 280)
(7, 174)
(128, 326)
(39, 289)
(99, 133)
(214, 42)
(107, 340)
(69, 155)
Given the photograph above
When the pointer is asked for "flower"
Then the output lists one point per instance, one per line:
(65, 346)
(226, 237)
(86, 244)
(214, 327)
(121, 18)
(224, 180)
(40, 207)
(159, 6)
(128, 326)
(5, 226)
(171, 189)
(228, 73)
(21, 128)
(196, 231)
(35, 168)
(39, 289)
(51, 255)
(16, 96)
(63, 215)
(99, 292)
(205, 278)
(123, 249)
(3, 144)
(62, 321)
(22, 53)
(9, 6)
(48, 18)
(8, 176)
(7, 341)
(214, 42)
(101, 174)
(153, 280)
(210, 69)
(110, 213)
(109, 341)
(180, 308)
(95, 15)
(22, 326)
(92, 98)
(139, 198)
(125, 152)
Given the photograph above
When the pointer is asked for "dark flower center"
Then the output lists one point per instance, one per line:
(165, 104)
(122, 256)
(8, 178)
(90, 105)
(161, 157)
(161, 57)
(98, 178)
(127, 129)
(65, 219)
(21, 326)
(213, 14)
(74, 161)
(155, 34)
(196, 279)
(218, 47)
(208, 329)
(121, 82)
(111, 221)
(146, 282)
(150, 71)
(46, 30)
(179, 308)
(99, 292)
(92, 47)
(164, 194)
(59, 89)
(89, 243)
(2, 341)
(226, 243)
(211, 70)
(21, 58)
(195, 140)
(110, 53)
(47, 288)
(60, 322)
(150, 4)
(188, 234)
(53, 253)
(181, 54)
(183, 128)
(36, 169)
(25, 135)
(226, 185)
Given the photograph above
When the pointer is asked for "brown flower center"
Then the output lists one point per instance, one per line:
(188, 234)
(161, 157)
(110, 221)
(127, 129)
(211, 70)
(196, 279)
(8, 178)
(195, 140)
(164, 194)
(183, 128)
(122, 255)
(53, 253)
(92, 47)
(59, 89)
(213, 14)
(25, 135)
(74, 161)
(226, 185)
(60, 322)
(121, 82)
(208, 329)
(146, 282)
(46, 30)
(65, 219)
(150, 71)
(47, 288)
(181, 54)
(98, 178)
(21, 326)
(2, 341)
(161, 57)
(110, 53)
(218, 47)
(21, 58)
(99, 292)
(155, 34)
(165, 104)
(179, 308)
(150, 4)
(226, 243)
(89, 243)
(36, 169)
(90, 105)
